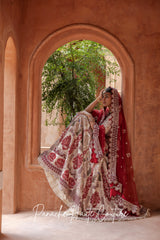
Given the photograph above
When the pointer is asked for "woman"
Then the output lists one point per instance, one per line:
(90, 166)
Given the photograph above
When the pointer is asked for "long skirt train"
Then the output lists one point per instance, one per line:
(80, 183)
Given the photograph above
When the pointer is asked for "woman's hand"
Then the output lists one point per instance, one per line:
(100, 96)
(93, 104)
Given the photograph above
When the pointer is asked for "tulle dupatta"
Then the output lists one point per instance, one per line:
(120, 172)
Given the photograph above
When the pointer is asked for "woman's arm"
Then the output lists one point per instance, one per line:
(93, 104)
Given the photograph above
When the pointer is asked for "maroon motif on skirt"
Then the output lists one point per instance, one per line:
(71, 182)
(51, 156)
(65, 175)
(95, 199)
(88, 185)
(106, 186)
(77, 161)
(75, 143)
(60, 162)
(66, 141)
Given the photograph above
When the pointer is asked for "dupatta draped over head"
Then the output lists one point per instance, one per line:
(120, 172)
(88, 181)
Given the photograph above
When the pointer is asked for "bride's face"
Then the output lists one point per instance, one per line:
(107, 99)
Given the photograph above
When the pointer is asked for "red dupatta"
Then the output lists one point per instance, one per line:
(120, 172)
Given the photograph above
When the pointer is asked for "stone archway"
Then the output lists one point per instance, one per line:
(9, 129)
(40, 56)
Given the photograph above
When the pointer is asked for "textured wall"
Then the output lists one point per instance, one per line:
(136, 25)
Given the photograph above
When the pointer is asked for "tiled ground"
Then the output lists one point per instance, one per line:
(26, 226)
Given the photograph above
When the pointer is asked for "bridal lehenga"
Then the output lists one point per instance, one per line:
(90, 167)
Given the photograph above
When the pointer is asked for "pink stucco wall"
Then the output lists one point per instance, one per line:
(136, 25)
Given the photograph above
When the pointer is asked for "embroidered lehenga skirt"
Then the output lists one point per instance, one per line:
(83, 185)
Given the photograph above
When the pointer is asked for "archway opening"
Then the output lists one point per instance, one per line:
(9, 193)
(86, 65)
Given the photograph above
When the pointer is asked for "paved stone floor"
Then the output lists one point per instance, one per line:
(28, 226)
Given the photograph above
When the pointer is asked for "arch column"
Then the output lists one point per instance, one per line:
(9, 129)
(1, 132)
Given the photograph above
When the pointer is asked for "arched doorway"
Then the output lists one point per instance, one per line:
(89, 59)
(9, 129)
(40, 56)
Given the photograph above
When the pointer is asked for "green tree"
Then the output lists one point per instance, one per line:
(71, 77)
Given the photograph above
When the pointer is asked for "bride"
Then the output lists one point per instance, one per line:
(90, 166)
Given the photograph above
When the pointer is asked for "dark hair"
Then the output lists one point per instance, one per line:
(109, 89)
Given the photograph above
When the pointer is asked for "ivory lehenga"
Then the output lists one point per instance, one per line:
(90, 167)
